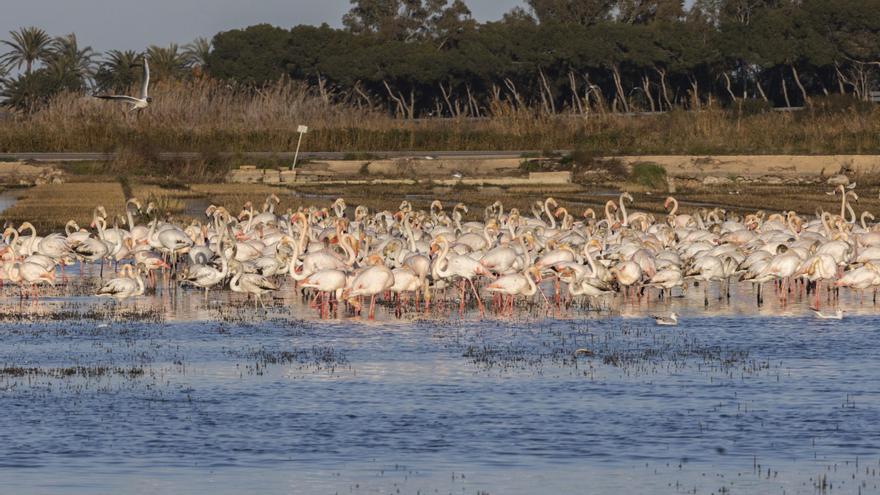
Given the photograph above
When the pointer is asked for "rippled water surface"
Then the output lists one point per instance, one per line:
(173, 394)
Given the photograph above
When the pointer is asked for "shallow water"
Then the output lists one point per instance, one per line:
(173, 394)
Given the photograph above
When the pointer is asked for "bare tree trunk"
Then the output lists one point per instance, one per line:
(797, 81)
(472, 102)
(860, 77)
(760, 89)
(401, 106)
(576, 104)
(446, 97)
(663, 87)
(785, 91)
(840, 79)
(615, 72)
(322, 88)
(547, 103)
(646, 86)
(695, 92)
(357, 89)
(590, 89)
(496, 105)
(728, 86)
(512, 88)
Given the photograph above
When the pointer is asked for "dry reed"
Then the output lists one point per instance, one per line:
(50, 206)
(210, 117)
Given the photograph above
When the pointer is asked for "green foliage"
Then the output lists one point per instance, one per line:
(27, 46)
(118, 71)
(649, 175)
(30, 92)
(255, 55)
(429, 58)
(167, 62)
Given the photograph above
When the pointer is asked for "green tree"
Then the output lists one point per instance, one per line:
(390, 19)
(197, 52)
(68, 61)
(30, 92)
(647, 11)
(27, 46)
(583, 12)
(118, 71)
(167, 62)
(255, 55)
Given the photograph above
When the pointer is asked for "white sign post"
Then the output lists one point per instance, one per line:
(301, 130)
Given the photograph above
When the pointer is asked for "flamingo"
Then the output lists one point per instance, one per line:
(372, 281)
(130, 284)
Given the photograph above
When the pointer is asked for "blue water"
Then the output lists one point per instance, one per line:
(254, 402)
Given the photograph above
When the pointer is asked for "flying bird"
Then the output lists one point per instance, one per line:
(666, 321)
(136, 103)
(838, 315)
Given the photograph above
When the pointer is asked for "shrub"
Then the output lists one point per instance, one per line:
(649, 175)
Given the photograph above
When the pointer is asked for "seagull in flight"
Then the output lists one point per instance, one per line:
(666, 321)
(837, 315)
(136, 103)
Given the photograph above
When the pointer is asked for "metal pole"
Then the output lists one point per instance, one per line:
(296, 154)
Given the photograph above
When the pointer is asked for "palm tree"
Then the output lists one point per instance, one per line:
(67, 59)
(118, 71)
(167, 62)
(28, 45)
(197, 52)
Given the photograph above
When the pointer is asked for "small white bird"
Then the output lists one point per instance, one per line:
(136, 103)
(666, 321)
(838, 315)
(457, 175)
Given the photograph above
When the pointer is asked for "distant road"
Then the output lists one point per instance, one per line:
(69, 157)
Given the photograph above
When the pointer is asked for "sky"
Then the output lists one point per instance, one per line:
(133, 25)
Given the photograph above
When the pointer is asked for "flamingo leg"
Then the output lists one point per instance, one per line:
(461, 300)
(477, 295)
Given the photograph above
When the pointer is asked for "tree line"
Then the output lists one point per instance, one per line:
(48, 65)
(428, 58)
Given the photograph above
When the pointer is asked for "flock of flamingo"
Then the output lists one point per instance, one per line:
(435, 256)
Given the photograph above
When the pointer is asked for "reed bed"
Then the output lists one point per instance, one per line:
(50, 206)
(234, 196)
(211, 117)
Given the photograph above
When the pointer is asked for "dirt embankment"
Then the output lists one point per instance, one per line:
(26, 174)
(761, 165)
